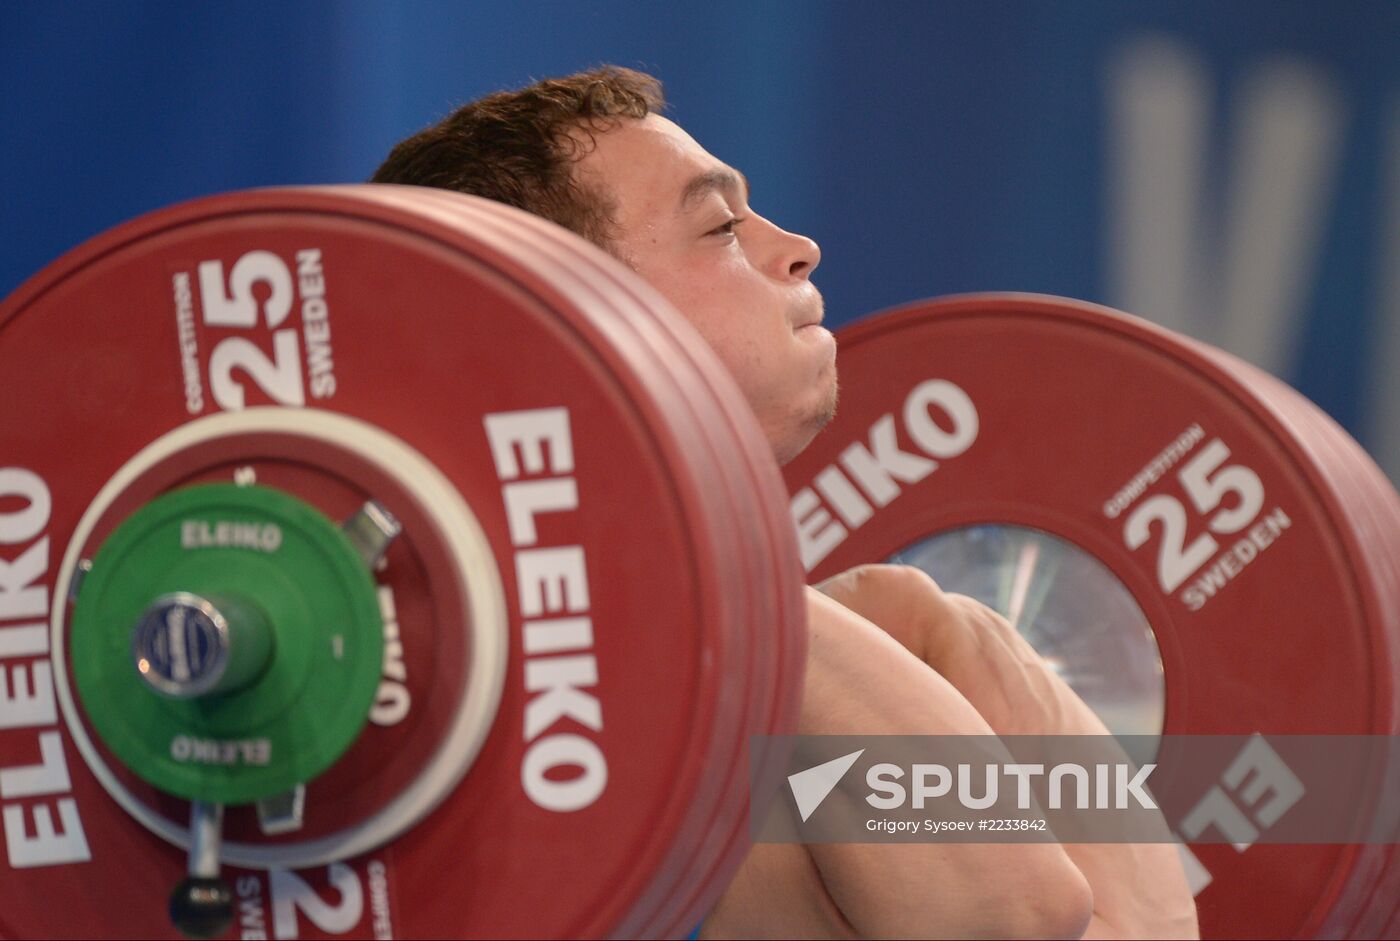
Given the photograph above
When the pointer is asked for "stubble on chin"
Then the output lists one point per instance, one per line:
(808, 426)
(833, 398)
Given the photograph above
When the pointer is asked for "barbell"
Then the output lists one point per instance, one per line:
(377, 560)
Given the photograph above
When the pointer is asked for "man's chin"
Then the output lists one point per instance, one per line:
(828, 411)
(815, 421)
(825, 411)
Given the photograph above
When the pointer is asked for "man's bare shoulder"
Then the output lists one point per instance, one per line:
(861, 680)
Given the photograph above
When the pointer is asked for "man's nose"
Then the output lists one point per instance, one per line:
(798, 255)
(807, 257)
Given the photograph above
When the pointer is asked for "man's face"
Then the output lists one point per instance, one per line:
(684, 224)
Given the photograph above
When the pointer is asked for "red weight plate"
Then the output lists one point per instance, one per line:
(783, 631)
(772, 560)
(727, 796)
(1101, 430)
(778, 629)
(1373, 510)
(430, 329)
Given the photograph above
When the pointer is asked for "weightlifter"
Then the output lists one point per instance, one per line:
(889, 652)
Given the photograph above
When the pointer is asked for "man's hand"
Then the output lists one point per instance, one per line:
(1139, 889)
(969, 645)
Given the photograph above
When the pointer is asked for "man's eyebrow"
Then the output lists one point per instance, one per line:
(725, 179)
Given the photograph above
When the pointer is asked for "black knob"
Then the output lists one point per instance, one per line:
(202, 907)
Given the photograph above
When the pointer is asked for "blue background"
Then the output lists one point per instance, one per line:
(930, 148)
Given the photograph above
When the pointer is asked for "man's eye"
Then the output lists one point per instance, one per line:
(727, 228)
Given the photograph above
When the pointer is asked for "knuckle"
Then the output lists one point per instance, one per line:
(913, 579)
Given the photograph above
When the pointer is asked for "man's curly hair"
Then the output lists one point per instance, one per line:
(519, 147)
